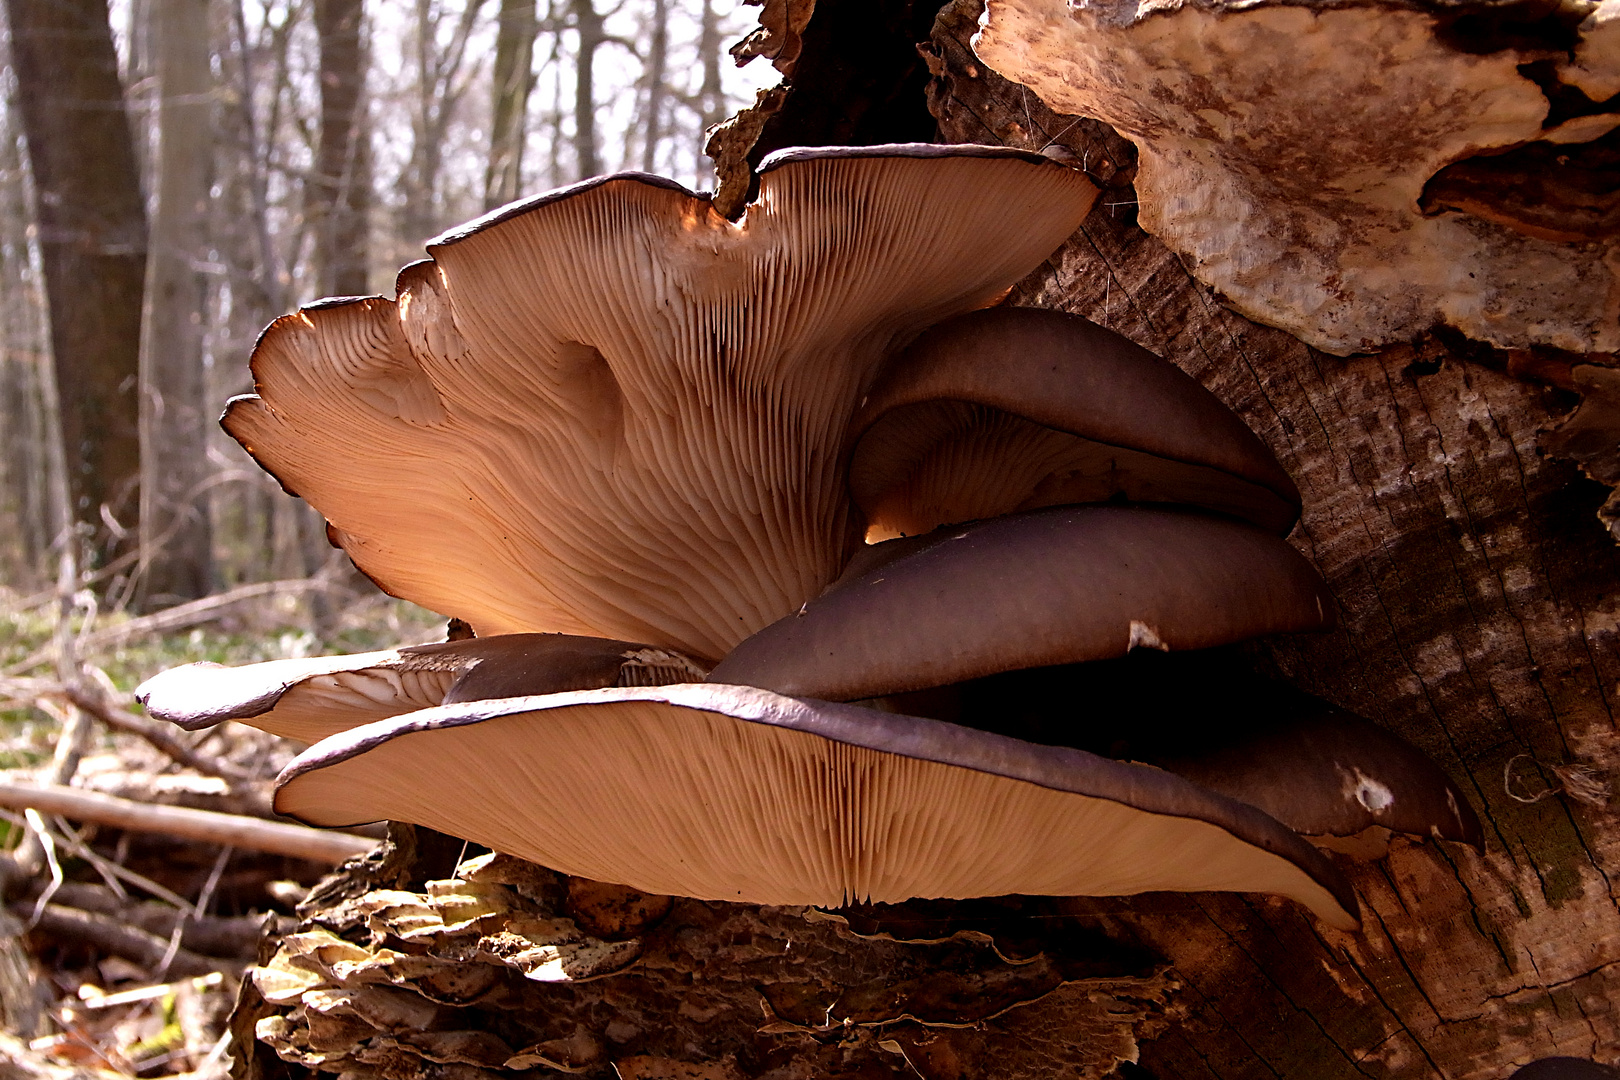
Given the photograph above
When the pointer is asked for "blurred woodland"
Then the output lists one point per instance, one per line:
(173, 175)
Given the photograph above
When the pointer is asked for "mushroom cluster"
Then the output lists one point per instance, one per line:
(783, 548)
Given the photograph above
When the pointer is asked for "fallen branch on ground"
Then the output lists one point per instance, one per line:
(249, 798)
(212, 935)
(72, 926)
(159, 735)
(232, 829)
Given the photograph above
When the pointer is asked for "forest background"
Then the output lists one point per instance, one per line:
(174, 174)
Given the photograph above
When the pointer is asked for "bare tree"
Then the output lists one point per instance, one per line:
(656, 86)
(591, 35)
(338, 196)
(175, 538)
(440, 86)
(513, 82)
(92, 236)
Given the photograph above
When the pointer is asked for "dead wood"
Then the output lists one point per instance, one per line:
(214, 935)
(225, 829)
(243, 798)
(159, 735)
(70, 926)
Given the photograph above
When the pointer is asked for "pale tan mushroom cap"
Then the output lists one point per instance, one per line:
(734, 793)
(612, 412)
(310, 698)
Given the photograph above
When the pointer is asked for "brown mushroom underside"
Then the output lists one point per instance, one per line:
(308, 699)
(612, 412)
(1208, 717)
(734, 793)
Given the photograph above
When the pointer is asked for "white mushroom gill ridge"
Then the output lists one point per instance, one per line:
(616, 413)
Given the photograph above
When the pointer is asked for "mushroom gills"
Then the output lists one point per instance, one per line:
(734, 793)
(625, 415)
(310, 698)
(1027, 590)
(1205, 716)
(1020, 408)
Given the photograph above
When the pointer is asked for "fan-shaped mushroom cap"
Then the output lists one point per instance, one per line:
(1207, 717)
(733, 793)
(1029, 590)
(624, 413)
(1326, 772)
(310, 698)
(1018, 408)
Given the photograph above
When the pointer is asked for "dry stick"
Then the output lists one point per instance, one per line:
(159, 735)
(110, 935)
(180, 616)
(215, 935)
(205, 825)
(110, 872)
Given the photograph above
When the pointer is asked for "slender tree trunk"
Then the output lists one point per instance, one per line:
(588, 27)
(175, 534)
(92, 235)
(657, 91)
(338, 197)
(513, 82)
(711, 95)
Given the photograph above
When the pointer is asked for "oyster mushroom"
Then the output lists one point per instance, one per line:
(631, 420)
(1018, 408)
(735, 793)
(309, 698)
(644, 402)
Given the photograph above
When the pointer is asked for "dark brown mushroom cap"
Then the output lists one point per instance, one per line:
(734, 793)
(1327, 772)
(624, 413)
(1019, 408)
(1206, 716)
(1029, 590)
(309, 698)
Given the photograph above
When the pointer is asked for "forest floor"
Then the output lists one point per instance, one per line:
(123, 945)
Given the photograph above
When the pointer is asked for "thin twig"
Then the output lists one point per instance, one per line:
(206, 825)
(180, 617)
(88, 854)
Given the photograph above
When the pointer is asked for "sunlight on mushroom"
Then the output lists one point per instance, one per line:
(628, 440)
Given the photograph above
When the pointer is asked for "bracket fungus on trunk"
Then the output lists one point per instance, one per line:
(633, 419)
(1358, 173)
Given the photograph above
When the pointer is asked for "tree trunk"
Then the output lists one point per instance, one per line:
(1477, 597)
(711, 96)
(588, 27)
(92, 236)
(657, 92)
(175, 535)
(338, 196)
(513, 81)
